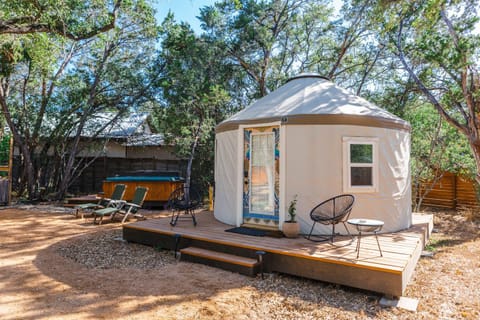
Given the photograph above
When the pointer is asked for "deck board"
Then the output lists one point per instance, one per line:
(400, 250)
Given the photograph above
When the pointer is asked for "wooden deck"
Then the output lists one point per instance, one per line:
(335, 263)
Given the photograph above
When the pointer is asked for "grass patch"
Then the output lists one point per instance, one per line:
(434, 244)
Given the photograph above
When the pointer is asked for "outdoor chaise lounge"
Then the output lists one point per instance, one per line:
(331, 212)
(113, 201)
(125, 208)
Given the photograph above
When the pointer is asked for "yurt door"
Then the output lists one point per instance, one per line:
(261, 185)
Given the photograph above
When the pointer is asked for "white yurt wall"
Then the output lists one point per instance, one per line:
(314, 172)
(226, 177)
(316, 117)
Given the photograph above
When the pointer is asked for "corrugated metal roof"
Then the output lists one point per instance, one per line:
(144, 140)
(123, 127)
(133, 128)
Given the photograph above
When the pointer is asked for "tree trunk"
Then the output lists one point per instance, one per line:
(421, 196)
(476, 153)
(28, 165)
(188, 174)
(68, 171)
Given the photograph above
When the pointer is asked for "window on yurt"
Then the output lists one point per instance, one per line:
(360, 164)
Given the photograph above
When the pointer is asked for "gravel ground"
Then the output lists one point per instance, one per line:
(113, 253)
(55, 266)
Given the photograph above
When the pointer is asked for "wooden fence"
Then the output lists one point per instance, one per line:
(452, 192)
(91, 179)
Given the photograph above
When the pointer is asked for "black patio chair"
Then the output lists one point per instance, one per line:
(331, 212)
(184, 200)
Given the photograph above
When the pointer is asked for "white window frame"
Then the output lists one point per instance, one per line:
(347, 164)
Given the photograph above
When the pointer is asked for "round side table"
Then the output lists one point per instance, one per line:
(366, 225)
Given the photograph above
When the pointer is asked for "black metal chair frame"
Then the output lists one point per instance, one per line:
(183, 200)
(336, 217)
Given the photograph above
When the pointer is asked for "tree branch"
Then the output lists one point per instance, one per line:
(469, 99)
(30, 24)
(423, 88)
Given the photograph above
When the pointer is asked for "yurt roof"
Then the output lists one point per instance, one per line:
(313, 99)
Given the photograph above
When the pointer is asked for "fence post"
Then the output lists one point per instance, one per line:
(10, 167)
(455, 192)
(210, 198)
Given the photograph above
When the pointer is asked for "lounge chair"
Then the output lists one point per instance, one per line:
(331, 212)
(125, 208)
(113, 201)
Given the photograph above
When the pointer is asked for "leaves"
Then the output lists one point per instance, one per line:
(268, 40)
(436, 44)
(72, 19)
(194, 97)
(51, 85)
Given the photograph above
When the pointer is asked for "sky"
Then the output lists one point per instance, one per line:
(184, 10)
(188, 10)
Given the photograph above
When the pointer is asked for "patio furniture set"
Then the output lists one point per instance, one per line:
(115, 205)
(337, 210)
(183, 202)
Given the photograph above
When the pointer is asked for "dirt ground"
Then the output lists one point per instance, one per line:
(53, 266)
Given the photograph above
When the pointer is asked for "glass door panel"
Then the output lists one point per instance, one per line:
(262, 173)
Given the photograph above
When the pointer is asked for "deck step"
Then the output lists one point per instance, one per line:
(243, 265)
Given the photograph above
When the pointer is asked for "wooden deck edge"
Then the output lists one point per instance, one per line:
(324, 270)
(423, 225)
(397, 271)
(362, 278)
(346, 271)
(410, 268)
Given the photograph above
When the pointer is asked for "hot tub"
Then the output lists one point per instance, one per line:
(159, 187)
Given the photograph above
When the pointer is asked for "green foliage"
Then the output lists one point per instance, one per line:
(269, 40)
(5, 150)
(436, 148)
(53, 85)
(434, 245)
(437, 44)
(194, 98)
(292, 209)
(71, 19)
(248, 48)
(436, 145)
(361, 153)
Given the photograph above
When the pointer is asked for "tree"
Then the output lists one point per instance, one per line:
(112, 79)
(75, 20)
(193, 95)
(22, 69)
(51, 86)
(273, 40)
(437, 47)
(268, 40)
(437, 148)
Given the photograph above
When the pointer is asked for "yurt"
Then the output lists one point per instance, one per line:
(312, 140)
